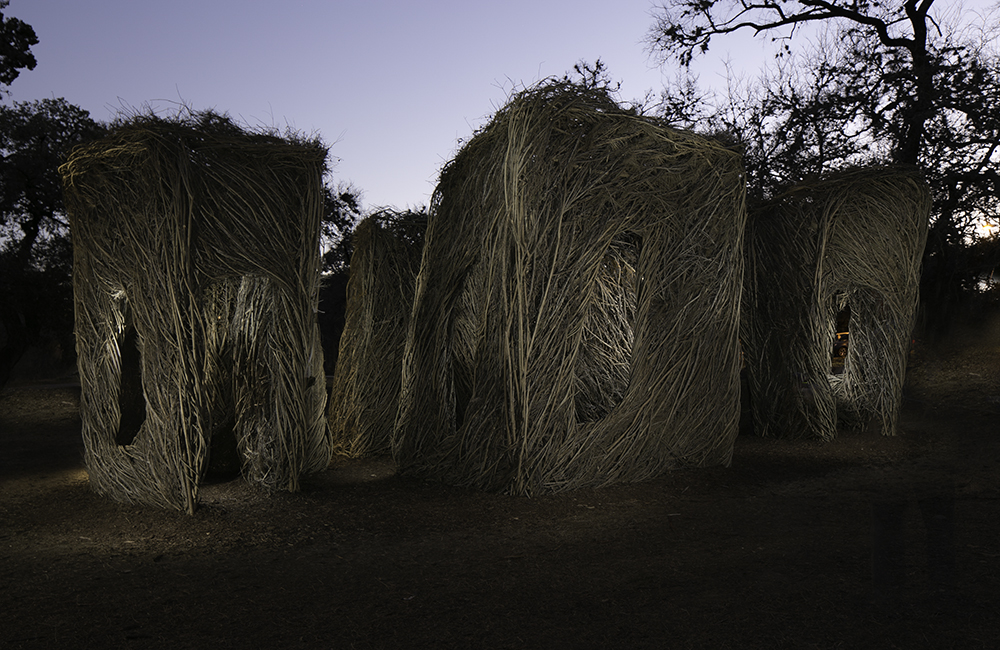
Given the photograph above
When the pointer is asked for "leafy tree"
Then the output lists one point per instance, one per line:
(888, 82)
(35, 252)
(341, 213)
(16, 39)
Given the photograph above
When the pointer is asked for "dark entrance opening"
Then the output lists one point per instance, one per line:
(131, 399)
(224, 460)
(841, 340)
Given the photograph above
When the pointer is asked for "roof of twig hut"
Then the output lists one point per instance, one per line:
(246, 191)
(204, 237)
(576, 308)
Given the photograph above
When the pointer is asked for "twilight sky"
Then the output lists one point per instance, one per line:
(389, 85)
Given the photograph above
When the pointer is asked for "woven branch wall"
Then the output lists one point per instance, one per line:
(575, 318)
(852, 239)
(365, 392)
(196, 270)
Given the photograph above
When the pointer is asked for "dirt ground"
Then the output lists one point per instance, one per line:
(794, 546)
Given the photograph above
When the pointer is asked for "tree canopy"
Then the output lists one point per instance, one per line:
(16, 39)
(341, 213)
(34, 138)
(914, 82)
(35, 253)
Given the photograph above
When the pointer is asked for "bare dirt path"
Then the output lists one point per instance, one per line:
(773, 552)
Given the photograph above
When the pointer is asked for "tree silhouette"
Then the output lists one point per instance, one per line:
(35, 252)
(900, 83)
(16, 39)
(341, 213)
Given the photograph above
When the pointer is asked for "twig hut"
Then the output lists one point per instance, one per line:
(576, 311)
(852, 240)
(365, 392)
(196, 270)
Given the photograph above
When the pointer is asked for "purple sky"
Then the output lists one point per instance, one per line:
(391, 86)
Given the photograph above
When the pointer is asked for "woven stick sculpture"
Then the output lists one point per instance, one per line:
(575, 317)
(196, 271)
(365, 392)
(854, 239)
